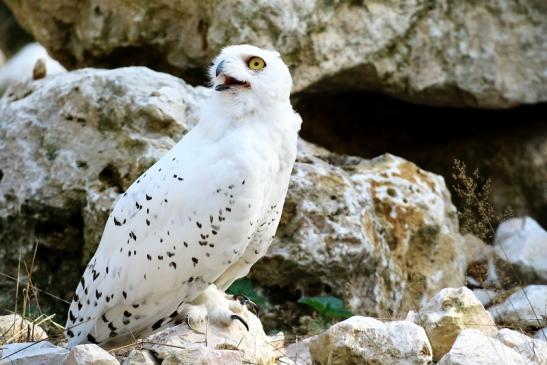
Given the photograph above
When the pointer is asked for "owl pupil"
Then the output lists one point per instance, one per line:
(256, 63)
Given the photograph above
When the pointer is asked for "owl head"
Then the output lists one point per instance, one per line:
(250, 76)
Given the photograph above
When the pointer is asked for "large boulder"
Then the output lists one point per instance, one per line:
(486, 54)
(381, 234)
(364, 340)
(533, 349)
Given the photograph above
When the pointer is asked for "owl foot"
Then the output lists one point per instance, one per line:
(251, 306)
(211, 307)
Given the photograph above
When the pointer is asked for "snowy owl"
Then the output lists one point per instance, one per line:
(200, 217)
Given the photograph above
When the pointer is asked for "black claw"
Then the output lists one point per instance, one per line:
(251, 306)
(235, 316)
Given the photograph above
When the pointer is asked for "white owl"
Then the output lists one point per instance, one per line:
(201, 216)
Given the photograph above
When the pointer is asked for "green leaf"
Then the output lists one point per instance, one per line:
(327, 306)
(244, 286)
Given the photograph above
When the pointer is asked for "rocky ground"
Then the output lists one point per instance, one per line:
(379, 240)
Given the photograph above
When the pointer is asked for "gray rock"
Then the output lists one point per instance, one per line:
(526, 307)
(533, 350)
(89, 354)
(140, 357)
(541, 334)
(439, 52)
(520, 251)
(32, 353)
(364, 340)
(472, 347)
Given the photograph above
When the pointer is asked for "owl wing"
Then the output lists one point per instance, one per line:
(175, 231)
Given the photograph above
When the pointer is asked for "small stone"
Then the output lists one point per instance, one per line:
(365, 340)
(32, 353)
(485, 296)
(541, 334)
(473, 347)
(520, 249)
(448, 313)
(533, 350)
(13, 328)
(140, 357)
(201, 355)
(297, 353)
(90, 354)
(526, 307)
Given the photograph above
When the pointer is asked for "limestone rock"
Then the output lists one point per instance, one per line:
(364, 340)
(472, 347)
(89, 354)
(70, 143)
(381, 234)
(526, 307)
(431, 52)
(13, 328)
(32, 353)
(450, 312)
(140, 357)
(520, 251)
(533, 350)
(216, 345)
(20, 67)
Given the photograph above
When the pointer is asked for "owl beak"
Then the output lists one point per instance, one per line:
(220, 68)
(229, 81)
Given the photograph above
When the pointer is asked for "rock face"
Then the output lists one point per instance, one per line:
(474, 348)
(363, 340)
(13, 328)
(216, 345)
(481, 54)
(20, 67)
(70, 143)
(140, 357)
(450, 312)
(520, 250)
(526, 307)
(381, 234)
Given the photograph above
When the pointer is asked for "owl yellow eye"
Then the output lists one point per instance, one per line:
(256, 63)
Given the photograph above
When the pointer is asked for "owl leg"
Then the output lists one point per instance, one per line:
(212, 307)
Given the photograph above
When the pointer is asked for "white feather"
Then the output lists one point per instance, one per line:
(202, 214)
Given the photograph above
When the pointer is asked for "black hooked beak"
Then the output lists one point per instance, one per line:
(219, 69)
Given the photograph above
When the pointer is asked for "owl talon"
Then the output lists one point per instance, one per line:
(249, 304)
(235, 316)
